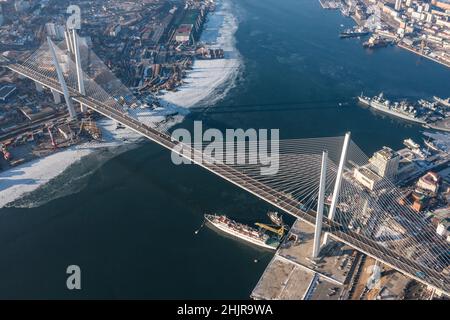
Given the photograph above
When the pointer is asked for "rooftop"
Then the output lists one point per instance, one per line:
(387, 153)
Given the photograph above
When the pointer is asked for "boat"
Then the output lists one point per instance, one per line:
(411, 144)
(427, 104)
(355, 32)
(444, 102)
(275, 218)
(399, 109)
(249, 234)
(376, 42)
(430, 144)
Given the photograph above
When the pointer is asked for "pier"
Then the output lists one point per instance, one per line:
(294, 274)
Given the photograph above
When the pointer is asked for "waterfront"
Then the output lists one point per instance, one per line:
(132, 228)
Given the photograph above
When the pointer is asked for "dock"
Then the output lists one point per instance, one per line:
(418, 52)
(293, 275)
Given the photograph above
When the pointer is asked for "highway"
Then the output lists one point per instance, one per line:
(280, 200)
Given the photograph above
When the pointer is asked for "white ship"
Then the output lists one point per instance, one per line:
(411, 144)
(444, 102)
(397, 109)
(242, 231)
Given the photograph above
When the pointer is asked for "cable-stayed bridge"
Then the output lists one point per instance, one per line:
(371, 222)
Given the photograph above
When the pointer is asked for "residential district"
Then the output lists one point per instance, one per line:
(150, 47)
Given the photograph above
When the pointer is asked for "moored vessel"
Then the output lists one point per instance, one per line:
(275, 218)
(355, 32)
(399, 109)
(252, 235)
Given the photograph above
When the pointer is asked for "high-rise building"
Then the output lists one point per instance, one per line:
(398, 5)
(385, 162)
(54, 31)
(21, 5)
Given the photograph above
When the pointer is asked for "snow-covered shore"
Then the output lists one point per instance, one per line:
(208, 81)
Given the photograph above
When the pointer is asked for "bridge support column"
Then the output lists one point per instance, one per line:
(337, 184)
(39, 87)
(56, 97)
(319, 217)
(76, 47)
(68, 41)
(62, 81)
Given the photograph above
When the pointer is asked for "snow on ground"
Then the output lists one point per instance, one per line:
(207, 76)
(202, 83)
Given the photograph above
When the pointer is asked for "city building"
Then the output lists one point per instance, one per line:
(183, 33)
(385, 163)
(443, 228)
(54, 31)
(6, 91)
(367, 177)
(441, 4)
(398, 5)
(21, 5)
(429, 182)
(33, 115)
(115, 30)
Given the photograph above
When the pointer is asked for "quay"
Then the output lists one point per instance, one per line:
(340, 272)
(293, 275)
(406, 47)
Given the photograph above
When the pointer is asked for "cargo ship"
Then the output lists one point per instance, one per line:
(249, 234)
(355, 32)
(398, 109)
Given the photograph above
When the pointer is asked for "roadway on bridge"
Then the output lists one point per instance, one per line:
(280, 200)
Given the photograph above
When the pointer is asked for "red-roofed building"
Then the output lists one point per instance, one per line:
(183, 33)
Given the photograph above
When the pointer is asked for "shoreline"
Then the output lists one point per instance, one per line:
(422, 55)
(202, 84)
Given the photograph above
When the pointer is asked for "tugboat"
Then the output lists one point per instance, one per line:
(252, 235)
(275, 218)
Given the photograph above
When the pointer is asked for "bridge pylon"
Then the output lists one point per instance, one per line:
(320, 203)
(76, 48)
(61, 80)
(337, 185)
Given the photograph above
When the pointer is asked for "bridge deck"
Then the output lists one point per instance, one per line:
(274, 197)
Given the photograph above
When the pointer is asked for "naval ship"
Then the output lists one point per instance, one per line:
(444, 102)
(398, 109)
(355, 32)
(252, 235)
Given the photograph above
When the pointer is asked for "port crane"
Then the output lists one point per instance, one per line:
(279, 231)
